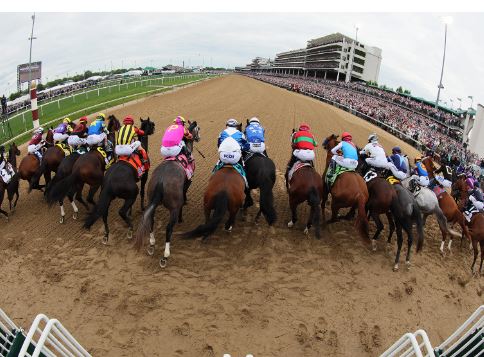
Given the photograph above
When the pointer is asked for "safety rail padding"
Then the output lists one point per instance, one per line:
(408, 345)
(7, 335)
(56, 336)
(467, 340)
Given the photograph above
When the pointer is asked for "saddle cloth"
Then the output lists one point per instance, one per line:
(247, 155)
(470, 212)
(438, 190)
(135, 161)
(65, 148)
(297, 165)
(107, 159)
(189, 167)
(7, 173)
(237, 167)
(333, 174)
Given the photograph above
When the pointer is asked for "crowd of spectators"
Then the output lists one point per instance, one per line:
(416, 128)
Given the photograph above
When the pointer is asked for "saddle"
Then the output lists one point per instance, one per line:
(297, 165)
(333, 173)
(249, 154)
(237, 167)
(135, 161)
(65, 148)
(188, 167)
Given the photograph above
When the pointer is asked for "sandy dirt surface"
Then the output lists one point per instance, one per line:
(251, 291)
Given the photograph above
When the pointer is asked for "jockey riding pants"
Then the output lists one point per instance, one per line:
(304, 155)
(75, 140)
(95, 139)
(443, 181)
(171, 151)
(477, 204)
(60, 137)
(127, 150)
(345, 162)
(32, 149)
(257, 148)
(422, 180)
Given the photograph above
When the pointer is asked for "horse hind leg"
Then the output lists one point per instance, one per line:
(123, 212)
(293, 207)
(481, 243)
(391, 225)
(476, 252)
(248, 199)
(169, 233)
(399, 245)
(379, 228)
(90, 195)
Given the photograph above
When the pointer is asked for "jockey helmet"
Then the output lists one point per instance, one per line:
(232, 123)
(128, 120)
(397, 149)
(66, 121)
(101, 116)
(39, 130)
(346, 136)
(373, 138)
(179, 120)
(83, 120)
(470, 183)
(304, 127)
(254, 120)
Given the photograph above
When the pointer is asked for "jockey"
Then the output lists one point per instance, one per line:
(376, 157)
(421, 172)
(173, 141)
(232, 131)
(36, 143)
(97, 132)
(400, 161)
(349, 159)
(446, 171)
(231, 143)
(61, 133)
(126, 143)
(79, 133)
(475, 199)
(255, 136)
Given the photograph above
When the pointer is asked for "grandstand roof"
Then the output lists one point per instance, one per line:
(334, 37)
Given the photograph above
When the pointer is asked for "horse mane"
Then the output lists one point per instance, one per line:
(147, 126)
(328, 139)
(113, 124)
(192, 125)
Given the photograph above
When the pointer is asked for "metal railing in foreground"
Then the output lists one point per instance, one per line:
(466, 341)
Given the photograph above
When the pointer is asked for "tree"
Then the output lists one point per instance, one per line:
(406, 91)
(399, 89)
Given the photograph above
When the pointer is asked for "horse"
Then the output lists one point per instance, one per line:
(448, 205)
(13, 185)
(29, 166)
(168, 186)
(348, 191)
(306, 185)
(51, 161)
(261, 174)
(476, 225)
(120, 181)
(88, 169)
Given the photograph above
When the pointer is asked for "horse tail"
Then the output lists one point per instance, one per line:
(145, 225)
(314, 201)
(101, 207)
(60, 190)
(420, 227)
(221, 203)
(38, 174)
(267, 200)
(362, 220)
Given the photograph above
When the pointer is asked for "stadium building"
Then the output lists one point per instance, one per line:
(335, 56)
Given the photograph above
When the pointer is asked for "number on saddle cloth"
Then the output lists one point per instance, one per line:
(370, 175)
(392, 180)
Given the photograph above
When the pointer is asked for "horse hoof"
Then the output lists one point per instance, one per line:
(151, 250)
(105, 239)
(290, 224)
(395, 268)
(229, 229)
(75, 215)
(306, 231)
(408, 265)
(130, 234)
(163, 263)
(373, 245)
(61, 220)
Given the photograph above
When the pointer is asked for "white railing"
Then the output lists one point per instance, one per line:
(7, 335)
(53, 334)
(409, 345)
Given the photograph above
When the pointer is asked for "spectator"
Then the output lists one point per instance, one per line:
(4, 105)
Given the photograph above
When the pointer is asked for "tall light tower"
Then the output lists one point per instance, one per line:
(447, 20)
(31, 38)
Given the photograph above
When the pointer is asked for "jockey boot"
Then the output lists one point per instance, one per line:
(265, 154)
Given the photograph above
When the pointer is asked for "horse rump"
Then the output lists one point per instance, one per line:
(60, 189)
(220, 204)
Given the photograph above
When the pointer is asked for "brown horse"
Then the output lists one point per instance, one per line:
(448, 206)
(306, 186)
(348, 191)
(476, 225)
(29, 167)
(12, 186)
(88, 169)
(225, 192)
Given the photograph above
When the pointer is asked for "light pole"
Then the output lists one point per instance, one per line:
(447, 20)
(460, 103)
(451, 103)
(31, 38)
(472, 100)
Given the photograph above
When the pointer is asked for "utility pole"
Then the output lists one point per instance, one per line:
(31, 38)
(447, 20)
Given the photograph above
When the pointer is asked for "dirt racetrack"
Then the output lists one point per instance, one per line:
(251, 291)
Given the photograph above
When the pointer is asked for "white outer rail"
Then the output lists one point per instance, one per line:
(410, 340)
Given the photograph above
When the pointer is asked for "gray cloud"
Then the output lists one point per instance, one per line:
(412, 43)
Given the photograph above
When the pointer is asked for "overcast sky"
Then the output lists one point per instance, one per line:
(412, 44)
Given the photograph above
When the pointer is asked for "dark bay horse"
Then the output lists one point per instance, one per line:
(88, 169)
(168, 186)
(348, 191)
(120, 181)
(13, 185)
(29, 166)
(476, 225)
